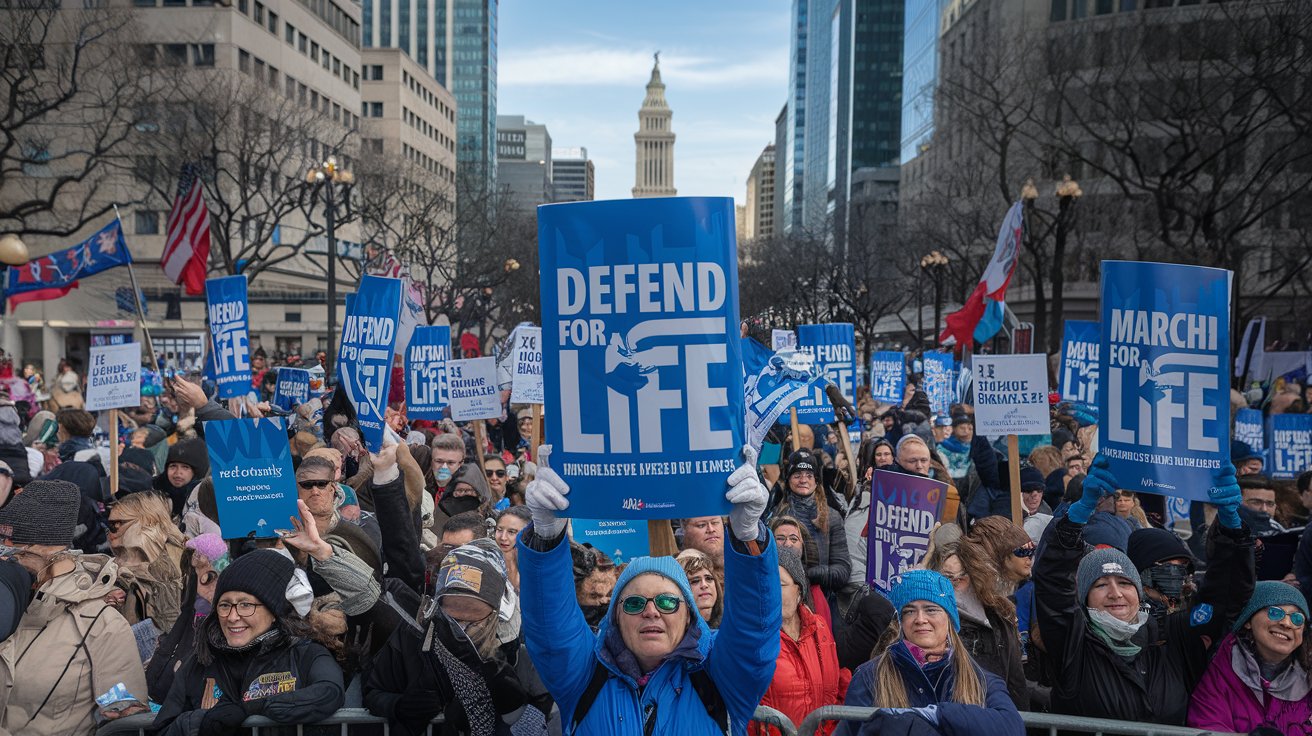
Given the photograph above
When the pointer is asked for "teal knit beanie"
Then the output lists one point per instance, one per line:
(1269, 593)
(925, 585)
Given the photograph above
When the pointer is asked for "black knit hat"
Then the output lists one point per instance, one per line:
(264, 574)
(191, 452)
(803, 460)
(44, 513)
(140, 457)
(1147, 547)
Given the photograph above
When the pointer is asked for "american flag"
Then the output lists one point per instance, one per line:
(187, 235)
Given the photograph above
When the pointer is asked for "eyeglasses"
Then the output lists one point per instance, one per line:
(1260, 503)
(1276, 613)
(116, 525)
(955, 577)
(314, 484)
(495, 473)
(665, 603)
(1026, 551)
(244, 609)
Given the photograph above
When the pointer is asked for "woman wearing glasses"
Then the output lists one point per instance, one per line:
(253, 658)
(653, 666)
(1259, 675)
(926, 681)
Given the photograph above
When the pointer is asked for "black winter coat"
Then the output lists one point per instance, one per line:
(1153, 686)
(996, 649)
(865, 619)
(834, 565)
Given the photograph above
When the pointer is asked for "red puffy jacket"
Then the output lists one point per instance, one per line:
(806, 676)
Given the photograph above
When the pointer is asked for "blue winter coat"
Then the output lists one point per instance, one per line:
(739, 658)
(931, 685)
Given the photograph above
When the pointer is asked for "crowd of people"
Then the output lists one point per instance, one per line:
(430, 580)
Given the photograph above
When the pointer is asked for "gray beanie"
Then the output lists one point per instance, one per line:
(1099, 564)
(789, 561)
(45, 512)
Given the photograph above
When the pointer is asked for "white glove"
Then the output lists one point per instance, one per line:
(748, 497)
(545, 495)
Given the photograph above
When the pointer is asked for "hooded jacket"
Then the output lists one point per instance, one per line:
(69, 648)
(450, 506)
(931, 686)
(1233, 697)
(994, 644)
(1153, 686)
(806, 675)
(193, 454)
(739, 657)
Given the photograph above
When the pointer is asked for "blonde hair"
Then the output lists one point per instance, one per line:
(967, 685)
(1045, 459)
(154, 540)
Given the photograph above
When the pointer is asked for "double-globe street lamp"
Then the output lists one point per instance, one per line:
(327, 176)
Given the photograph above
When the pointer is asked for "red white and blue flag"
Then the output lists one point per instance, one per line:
(54, 275)
(187, 235)
(980, 318)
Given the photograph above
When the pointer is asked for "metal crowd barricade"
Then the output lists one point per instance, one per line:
(1035, 723)
(358, 722)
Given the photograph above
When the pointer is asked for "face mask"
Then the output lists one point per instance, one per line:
(443, 474)
(459, 504)
(1169, 580)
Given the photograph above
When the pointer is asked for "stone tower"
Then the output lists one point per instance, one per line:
(654, 170)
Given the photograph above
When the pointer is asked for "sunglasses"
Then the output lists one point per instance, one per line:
(495, 473)
(114, 525)
(1275, 613)
(1026, 551)
(665, 603)
(314, 484)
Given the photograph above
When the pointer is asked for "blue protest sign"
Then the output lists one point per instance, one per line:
(292, 388)
(225, 299)
(254, 486)
(940, 381)
(1291, 445)
(1164, 362)
(781, 381)
(1249, 429)
(834, 348)
(425, 372)
(368, 343)
(888, 377)
(903, 511)
(622, 540)
(1079, 361)
(642, 361)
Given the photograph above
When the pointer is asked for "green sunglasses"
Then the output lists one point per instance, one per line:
(636, 604)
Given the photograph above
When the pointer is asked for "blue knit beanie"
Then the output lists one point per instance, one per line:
(1099, 564)
(1269, 593)
(666, 567)
(925, 585)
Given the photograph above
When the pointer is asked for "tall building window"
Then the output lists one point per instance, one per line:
(314, 51)
(147, 223)
(273, 23)
(244, 60)
(259, 12)
(1058, 10)
(175, 54)
(289, 33)
(202, 54)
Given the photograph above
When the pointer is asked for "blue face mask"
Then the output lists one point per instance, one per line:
(443, 474)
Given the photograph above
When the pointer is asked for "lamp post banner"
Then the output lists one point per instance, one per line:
(1164, 363)
(642, 362)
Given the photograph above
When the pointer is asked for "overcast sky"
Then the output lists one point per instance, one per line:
(581, 68)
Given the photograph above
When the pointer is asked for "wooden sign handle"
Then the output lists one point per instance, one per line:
(1013, 470)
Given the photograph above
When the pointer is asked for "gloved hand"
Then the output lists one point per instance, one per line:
(222, 719)
(748, 497)
(1226, 497)
(545, 495)
(1098, 483)
(929, 712)
(418, 706)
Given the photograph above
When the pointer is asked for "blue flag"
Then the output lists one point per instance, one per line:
(940, 381)
(368, 344)
(254, 486)
(52, 276)
(292, 388)
(1164, 363)
(755, 356)
(642, 362)
(1079, 361)
(230, 326)
(888, 377)
(1249, 428)
(834, 349)
(425, 372)
(1291, 445)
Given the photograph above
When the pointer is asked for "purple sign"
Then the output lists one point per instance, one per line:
(903, 512)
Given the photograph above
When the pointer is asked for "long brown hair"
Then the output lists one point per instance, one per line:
(984, 553)
(821, 501)
(967, 686)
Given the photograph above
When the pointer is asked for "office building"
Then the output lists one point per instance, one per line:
(759, 204)
(524, 161)
(573, 175)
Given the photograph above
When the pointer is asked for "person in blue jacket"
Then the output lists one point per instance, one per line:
(926, 682)
(653, 666)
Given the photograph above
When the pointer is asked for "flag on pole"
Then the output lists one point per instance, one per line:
(187, 235)
(1252, 351)
(54, 275)
(981, 316)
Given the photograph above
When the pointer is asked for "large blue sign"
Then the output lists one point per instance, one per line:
(1079, 362)
(292, 388)
(888, 377)
(1249, 429)
(1291, 445)
(833, 347)
(254, 486)
(368, 343)
(230, 327)
(1164, 362)
(940, 380)
(642, 362)
(425, 372)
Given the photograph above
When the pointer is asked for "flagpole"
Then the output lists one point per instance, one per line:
(136, 297)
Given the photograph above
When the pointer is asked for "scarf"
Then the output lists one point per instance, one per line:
(804, 507)
(1115, 633)
(71, 446)
(470, 687)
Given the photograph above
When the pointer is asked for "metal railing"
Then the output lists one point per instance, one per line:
(347, 719)
(1035, 723)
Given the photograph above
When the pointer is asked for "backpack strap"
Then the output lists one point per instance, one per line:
(702, 684)
(599, 676)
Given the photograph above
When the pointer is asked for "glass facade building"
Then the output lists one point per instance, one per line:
(919, 74)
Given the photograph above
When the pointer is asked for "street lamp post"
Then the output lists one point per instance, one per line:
(325, 176)
(936, 263)
(1068, 191)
